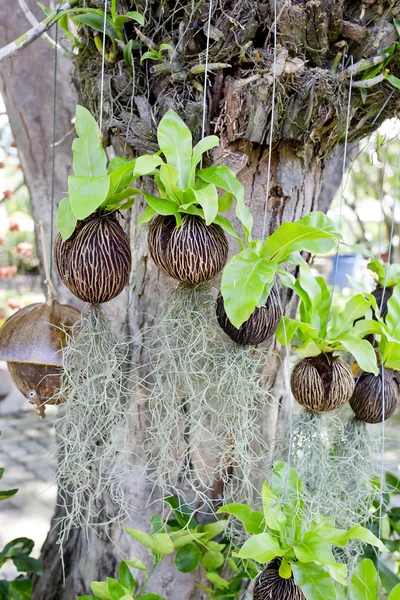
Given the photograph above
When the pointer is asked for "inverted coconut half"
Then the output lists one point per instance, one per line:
(271, 586)
(370, 402)
(31, 341)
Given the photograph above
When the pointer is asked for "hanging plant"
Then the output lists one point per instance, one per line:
(293, 544)
(93, 258)
(31, 341)
(386, 277)
(370, 402)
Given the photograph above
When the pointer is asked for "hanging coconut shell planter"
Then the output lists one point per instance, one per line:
(271, 586)
(95, 262)
(369, 402)
(31, 341)
(322, 383)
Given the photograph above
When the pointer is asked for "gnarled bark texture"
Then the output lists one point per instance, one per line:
(309, 123)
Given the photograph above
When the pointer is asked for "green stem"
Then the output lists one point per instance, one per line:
(148, 577)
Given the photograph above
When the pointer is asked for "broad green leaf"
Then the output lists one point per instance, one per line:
(162, 543)
(293, 237)
(243, 282)
(377, 267)
(262, 548)
(90, 159)
(213, 560)
(362, 351)
(212, 530)
(163, 47)
(136, 563)
(117, 162)
(364, 583)
(341, 537)
(27, 564)
(147, 215)
(169, 176)
(125, 576)
(161, 206)
(96, 22)
(286, 483)
(204, 145)
(393, 314)
(253, 520)
(314, 549)
(121, 177)
(338, 572)
(225, 202)
(117, 199)
(100, 589)
(17, 547)
(343, 321)
(187, 558)
(6, 494)
(175, 141)
(217, 580)
(316, 584)
(87, 194)
(274, 516)
(319, 220)
(136, 16)
(115, 589)
(393, 80)
(366, 327)
(141, 536)
(285, 570)
(66, 220)
(395, 593)
(180, 538)
(207, 197)
(146, 164)
(228, 227)
(224, 178)
(157, 525)
(20, 589)
(286, 330)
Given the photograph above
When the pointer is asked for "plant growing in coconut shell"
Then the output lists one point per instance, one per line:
(93, 257)
(386, 276)
(294, 546)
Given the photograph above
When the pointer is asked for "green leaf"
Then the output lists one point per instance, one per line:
(225, 202)
(87, 194)
(341, 537)
(125, 576)
(204, 145)
(395, 593)
(274, 516)
(162, 544)
(157, 525)
(27, 564)
(100, 589)
(285, 570)
(217, 580)
(116, 163)
(150, 596)
(253, 520)
(128, 51)
(90, 159)
(136, 16)
(175, 141)
(319, 220)
(362, 351)
(66, 220)
(187, 558)
(20, 589)
(364, 94)
(293, 237)
(136, 563)
(85, 597)
(96, 22)
(147, 215)
(121, 177)
(207, 197)
(6, 494)
(212, 530)
(343, 321)
(316, 584)
(243, 282)
(17, 547)
(224, 178)
(144, 165)
(364, 583)
(162, 206)
(262, 548)
(213, 560)
(394, 81)
(1, 472)
(141, 536)
(314, 549)
(115, 589)
(338, 572)
(228, 227)
(393, 314)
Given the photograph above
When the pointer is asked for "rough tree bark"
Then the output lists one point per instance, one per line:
(310, 122)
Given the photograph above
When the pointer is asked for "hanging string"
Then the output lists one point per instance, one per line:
(381, 200)
(203, 126)
(342, 188)
(103, 66)
(53, 149)
(271, 132)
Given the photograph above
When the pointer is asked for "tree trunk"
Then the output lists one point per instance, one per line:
(310, 122)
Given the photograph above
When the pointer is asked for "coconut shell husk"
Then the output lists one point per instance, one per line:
(270, 586)
(31, 341)
(192, 253)
(367, 399)
(322, 383)
(259, 327)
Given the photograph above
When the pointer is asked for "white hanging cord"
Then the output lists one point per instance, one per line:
(342, 188)
(381, 200)
(103, 66)
(271, 132)
(203, 127)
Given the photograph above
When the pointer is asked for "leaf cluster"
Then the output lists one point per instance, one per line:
(320, 330)
(304, 550)
(385, 274)
(18, 551)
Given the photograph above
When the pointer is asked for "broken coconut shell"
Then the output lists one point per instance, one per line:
(30, 342)
(271, 586)
(366, 400)
(322, 383)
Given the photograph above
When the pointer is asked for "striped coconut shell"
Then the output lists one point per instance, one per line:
(322, 383)
(270, 586)
(366, 400)
(31, 341)
(192, 253)
(259, 327)
(95, 263)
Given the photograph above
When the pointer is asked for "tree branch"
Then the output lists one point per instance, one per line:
(33, 21)
(33, 34)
